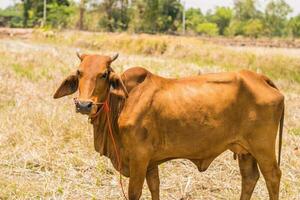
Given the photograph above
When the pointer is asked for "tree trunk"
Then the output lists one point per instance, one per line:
(108, 8)
(80, 23)
(26, 7)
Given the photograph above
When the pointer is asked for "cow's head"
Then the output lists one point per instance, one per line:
(94, 79)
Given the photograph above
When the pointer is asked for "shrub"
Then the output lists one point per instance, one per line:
(194, 17)
(11, 16)
(235, 28)
(58, 15)
(210, 29)
(222, 18)
(253, 28)
(294, 26)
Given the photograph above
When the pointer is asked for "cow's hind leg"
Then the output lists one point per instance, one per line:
(250, 175)
(272, 175)
(152, 178)
(264, 153)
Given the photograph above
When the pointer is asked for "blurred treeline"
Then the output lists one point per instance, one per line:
(156, 16)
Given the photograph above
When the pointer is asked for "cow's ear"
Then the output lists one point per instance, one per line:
(67, 87)
(117, 87)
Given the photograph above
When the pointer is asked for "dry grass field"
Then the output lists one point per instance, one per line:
(46, 149)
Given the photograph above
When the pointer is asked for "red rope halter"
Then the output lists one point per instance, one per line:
(105, 107)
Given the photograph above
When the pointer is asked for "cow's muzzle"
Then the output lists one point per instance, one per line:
(83, 107)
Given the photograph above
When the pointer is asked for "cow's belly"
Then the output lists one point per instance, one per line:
(197, 126)
(200, 134)
(194, 142)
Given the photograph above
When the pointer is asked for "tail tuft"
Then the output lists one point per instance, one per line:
(280, 135)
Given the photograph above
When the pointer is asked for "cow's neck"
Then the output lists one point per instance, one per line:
(102, 139)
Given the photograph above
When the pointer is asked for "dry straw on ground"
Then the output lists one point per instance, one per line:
(46, 150)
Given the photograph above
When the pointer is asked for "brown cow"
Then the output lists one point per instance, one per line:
(156, 119)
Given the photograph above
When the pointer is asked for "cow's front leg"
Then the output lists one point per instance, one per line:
(138, 170)
(152, 178)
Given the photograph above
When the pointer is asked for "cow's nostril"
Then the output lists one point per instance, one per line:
(84, 106)
(89, 105)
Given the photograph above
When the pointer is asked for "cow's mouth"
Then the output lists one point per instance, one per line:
(82, 112)
(95, 110)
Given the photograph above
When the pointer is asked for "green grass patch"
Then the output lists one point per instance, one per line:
(24, 71)
(32, 72)
(294, 131)
(4, 104)
(189, 49)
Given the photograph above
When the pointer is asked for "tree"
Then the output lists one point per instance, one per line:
(26, 8)
(253, 28)
(207, 28)
(247, 19)
(12, 16)
(276, 17)
(151, 15)
(194, 17)
(144, 16)
(294, 26)
(170, 12)
(245, 9)
(235, 27)
(58, 15)
(156, 15)
(116, 15)
(36, 9)
(137, 9)
(222, 17)
(82, 8)
(124, 15)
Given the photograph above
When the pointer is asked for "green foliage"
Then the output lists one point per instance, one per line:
(156, 16)
(115, 15)
(26, 8)
(245, 9)
(207, 28)
(58, 15)
(234, 28)
(194, 17)
(276, 17)
(294, 26)
(253, 28)
(222, 17)
(170, 12)
(22, 71)
(137, 22)
(11, 16)
(294, 131)
(151, 15)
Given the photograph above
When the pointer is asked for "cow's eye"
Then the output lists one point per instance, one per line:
(79, 73)
(104, 75)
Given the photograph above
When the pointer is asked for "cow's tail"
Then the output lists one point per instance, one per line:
(280, 135)
(271, 83)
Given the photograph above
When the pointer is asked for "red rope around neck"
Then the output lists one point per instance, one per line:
(106, 109)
